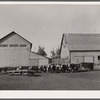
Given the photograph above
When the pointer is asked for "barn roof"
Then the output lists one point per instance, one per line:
(10, 35)
(40, 55)
(82, 42)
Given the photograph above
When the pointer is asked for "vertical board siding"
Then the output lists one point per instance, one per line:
(14, 56)
(85, 54)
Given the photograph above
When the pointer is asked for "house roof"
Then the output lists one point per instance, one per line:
(10, 35)
(82, 42)
(40, 55)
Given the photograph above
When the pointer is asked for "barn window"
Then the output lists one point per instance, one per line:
(98, 57)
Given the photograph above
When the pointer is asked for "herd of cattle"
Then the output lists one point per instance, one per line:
(62, 68)
(51, 68)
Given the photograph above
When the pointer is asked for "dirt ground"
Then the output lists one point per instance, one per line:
(52, 81)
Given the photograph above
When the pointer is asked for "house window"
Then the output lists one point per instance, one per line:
(98, 57)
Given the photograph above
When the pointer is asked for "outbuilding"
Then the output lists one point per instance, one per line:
(38, 60)
(79, 48)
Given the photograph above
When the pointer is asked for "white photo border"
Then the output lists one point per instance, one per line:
(44, 94)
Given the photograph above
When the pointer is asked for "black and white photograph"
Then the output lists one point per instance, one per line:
(49, 46)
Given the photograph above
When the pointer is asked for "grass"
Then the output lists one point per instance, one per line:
(52, 81)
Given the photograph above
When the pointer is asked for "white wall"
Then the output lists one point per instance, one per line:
(34, 62)
(14, 56)
(41, 60)
(80, 54)
(64, 50)
(15, 39)
(10, 57)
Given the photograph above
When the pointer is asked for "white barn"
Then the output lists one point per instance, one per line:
(15, 51)
(81, 48)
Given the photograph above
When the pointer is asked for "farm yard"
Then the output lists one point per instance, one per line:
(52, 81)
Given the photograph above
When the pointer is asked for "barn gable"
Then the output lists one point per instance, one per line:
(64, 50)
(13, 39)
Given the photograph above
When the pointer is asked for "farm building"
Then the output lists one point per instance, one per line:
(15, 51)
(38, 60)
(81, 48)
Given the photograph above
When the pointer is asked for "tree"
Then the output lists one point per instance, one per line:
(55, 53)
(41, 51)
(58, 52)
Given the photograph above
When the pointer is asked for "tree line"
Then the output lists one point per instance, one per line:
(55, 53)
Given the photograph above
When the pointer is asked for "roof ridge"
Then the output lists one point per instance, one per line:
(13, 33)
(39, 54)
(83, 41)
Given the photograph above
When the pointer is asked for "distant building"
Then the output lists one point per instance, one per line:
(38, 60)
(79, 48)
(16, 51)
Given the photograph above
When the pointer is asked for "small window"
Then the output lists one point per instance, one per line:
(98, 57)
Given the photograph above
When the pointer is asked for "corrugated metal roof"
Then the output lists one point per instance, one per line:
(83, 41)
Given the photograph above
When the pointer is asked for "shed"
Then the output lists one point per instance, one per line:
(38, 60)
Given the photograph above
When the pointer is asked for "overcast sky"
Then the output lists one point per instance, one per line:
(44, 25)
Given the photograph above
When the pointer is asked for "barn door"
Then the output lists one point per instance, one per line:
(78, 60)
(88, 59)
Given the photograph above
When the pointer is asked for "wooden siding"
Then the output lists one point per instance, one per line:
(16, 53)
(85, 54)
